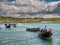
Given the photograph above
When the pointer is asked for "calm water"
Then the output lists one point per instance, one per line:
(19, 35)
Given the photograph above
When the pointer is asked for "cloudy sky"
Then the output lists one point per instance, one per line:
(30, 8)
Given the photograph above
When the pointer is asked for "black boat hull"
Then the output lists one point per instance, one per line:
(45, 35)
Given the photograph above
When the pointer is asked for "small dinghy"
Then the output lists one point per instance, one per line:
(33, 29)
(44, 33)
(7, 25)
(14, 25)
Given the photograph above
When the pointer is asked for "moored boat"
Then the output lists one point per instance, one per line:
(45, 33)
(14, 25)
(33, 29)
(7, 25)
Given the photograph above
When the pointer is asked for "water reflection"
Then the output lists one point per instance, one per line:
(47, 41)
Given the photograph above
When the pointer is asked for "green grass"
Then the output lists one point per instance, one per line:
(9, 19)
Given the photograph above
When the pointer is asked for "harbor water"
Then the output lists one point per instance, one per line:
(19, 36)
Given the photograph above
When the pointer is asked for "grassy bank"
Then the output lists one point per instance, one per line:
(9, 19)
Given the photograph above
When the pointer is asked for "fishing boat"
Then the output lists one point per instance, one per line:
(33, 29)
(45, 33)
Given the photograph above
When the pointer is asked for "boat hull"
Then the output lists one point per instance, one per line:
(32, 29)
(45, 35)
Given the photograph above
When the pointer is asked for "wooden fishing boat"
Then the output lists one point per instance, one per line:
(33, 29)
(46, 34)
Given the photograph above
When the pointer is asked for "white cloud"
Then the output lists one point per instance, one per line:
(52, 7)
(29, 8)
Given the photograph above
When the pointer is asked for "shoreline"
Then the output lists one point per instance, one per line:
(30, 22)
(27, 20)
